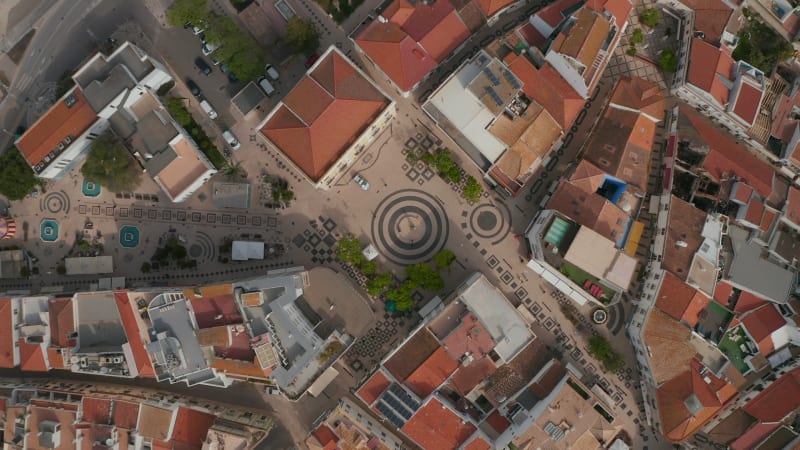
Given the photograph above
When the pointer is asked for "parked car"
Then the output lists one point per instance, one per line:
(209, 48)
(232, 77)
(203, 66)
(312, 59)
(208, 109)
(199, 28)
(231, 140)
(272, 72)
(266, 86)
(193, 87)
(361, 181)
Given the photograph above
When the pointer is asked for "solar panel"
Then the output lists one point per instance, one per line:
(397, 405)
(491, 77)
(390, 415)
(511, 79)
(404, 397)
(492, 93)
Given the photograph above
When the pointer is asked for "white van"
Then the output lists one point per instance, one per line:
(208, 109)
(266, 86)
(231, 139)
(272, 71)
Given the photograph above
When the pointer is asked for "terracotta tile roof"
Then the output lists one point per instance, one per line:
(65, 418)
(792, 206)
(6, 334)
(620, 9)
(412, 354)
(62, 321)
(466, 378)
(477, 443)
(768, 219)
(215, 309)
(761, 323)
(752, 437)
(373, 387)
(509, 378)
(685, 224)
(126, 414)
(191, 426)
(492, 7)
(727, 157)
(680, 301)
(755, 211)
(315, 138)
(778, 400)
(239, 368)
(469, 336)
(722, 293)
(325, 435)
(32, 357)
(55, 356)
(621, 145)
(667, 341)
(676, 396)
(548, 380)
(432, 373)
(589, 209)
(748, 302)
(548, 88)
(708, 65)
(731, 426)
(414, 39)
(748, 102)
(531, 35)
(784, 122)
(584, 39)
(640, 95)
(135, 334)
(54, 126)
(711, 17)
(498, 422)
(553, 14)
(96, 410)
(436, 426)
(154, 421)
(743, 192)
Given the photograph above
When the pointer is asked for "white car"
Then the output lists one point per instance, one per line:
(208, 109)
(272, 72)
(231, 139)
(209, 48)
(361, 181)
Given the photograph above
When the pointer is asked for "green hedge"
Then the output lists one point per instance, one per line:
(181, 114)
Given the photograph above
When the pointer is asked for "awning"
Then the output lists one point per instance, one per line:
(637, 228)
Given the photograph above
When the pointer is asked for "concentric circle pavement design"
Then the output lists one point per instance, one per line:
(409, 226)
(203, 247)
(489, 222)
(54, 202)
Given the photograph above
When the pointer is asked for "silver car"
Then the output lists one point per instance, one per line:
(361, 181)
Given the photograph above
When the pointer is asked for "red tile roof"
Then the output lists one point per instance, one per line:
(743, 192)
(498, 422)
(191, 426)
(62, 321)
(325, 435)
(747, 301)
(32, 357)
(640, 95)
(477, 443)
(777, 400)
(492, 7)
(710, 17)
(755, 211)
(414, 39)
(553, 14)
(708, 65)
(726, 157)
(374, 387)
(548, 88)
(466, 378)
(589, 209)
(315, 138)
(126, 414)
(436, 426)
(620, 9)
(208, 309)
(432, 373)
(761, 323)
(6, 334)
(54, 126)
(722, 293)
(531, 35)
(792, 207)
(55, 356)
(97, 410)
(748, 102)
(750, 439)
(680, 301)
(469, 336)
(134, 334)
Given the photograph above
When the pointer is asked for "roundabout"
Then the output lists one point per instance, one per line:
(409, 226)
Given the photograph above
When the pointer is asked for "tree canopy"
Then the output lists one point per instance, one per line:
(650, 17)
(421, 274)
(109, 164)
(302, 35)
(16, 176)
(236, 48)
(443, 258)
(378, 283)
(472, 190)
(182, 11)
(761, 47)
(348, 250)
(600, 348)
(668, 61)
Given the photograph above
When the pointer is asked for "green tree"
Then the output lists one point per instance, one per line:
(348, 250)
(179, 112)
(233, 170)
(302, 35)
(444, 258)
(668, 61)
(601, 349)
(378, 283)
(637, 37)
(236, 48)
(369, 268)
(760, 46)
(421, 274)
(182, 11)
(109, 164)
(472, 190)
(401, 295)
(631, 51)
(16, 176)
(650, 17)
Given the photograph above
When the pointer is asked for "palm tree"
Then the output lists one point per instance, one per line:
(233, 170)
